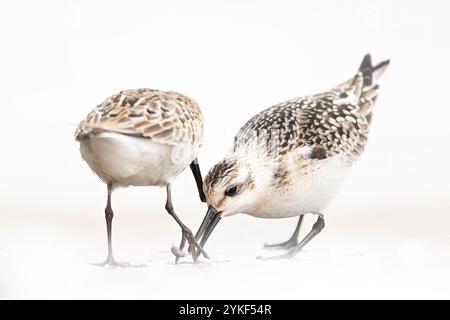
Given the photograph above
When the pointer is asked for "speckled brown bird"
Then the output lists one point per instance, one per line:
(292, 159)
(143, 137)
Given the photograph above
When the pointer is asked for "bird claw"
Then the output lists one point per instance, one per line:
(282, 246)
(193, 248)
(112, 264)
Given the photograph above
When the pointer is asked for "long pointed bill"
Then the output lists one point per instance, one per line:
(210, 221)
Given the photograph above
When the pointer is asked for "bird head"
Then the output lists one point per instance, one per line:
(229, 188)
(228, 185)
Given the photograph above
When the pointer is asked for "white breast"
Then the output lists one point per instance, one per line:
(310, 191)
(132, 161)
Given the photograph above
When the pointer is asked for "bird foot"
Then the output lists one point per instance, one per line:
(112, 263)
(291, 243)
(289, 255)
(193, 247)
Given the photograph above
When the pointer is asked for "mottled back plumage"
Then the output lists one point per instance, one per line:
(165, 117)
(331, 123)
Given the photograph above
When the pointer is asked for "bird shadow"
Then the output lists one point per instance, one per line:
(119, 265)
(198, 263)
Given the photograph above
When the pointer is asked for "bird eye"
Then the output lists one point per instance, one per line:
(231, 191)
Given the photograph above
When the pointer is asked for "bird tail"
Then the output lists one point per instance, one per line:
(370, 73)
(369, 93)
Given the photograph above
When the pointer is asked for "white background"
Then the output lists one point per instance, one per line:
(388, 232)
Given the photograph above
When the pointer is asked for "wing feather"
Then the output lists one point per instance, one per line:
(164, 117)
(330, 123)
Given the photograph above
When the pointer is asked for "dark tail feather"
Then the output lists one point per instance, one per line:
(370, 73)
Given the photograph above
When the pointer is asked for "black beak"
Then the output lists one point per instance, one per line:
(210, 221)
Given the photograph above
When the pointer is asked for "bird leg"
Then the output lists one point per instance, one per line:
(187, 235)
(292, 242)
(109, 214)
(317, 227)
(199, 181)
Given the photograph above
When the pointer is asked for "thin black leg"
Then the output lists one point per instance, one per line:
(316, 229)
(109, 214)
(187, 234)
(293, 240)
(195, 168)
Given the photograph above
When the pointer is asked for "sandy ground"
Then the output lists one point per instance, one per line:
(370, 254)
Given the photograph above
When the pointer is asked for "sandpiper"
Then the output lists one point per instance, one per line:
(143, 137)
(292, 159)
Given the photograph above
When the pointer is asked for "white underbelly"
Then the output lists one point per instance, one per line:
(310, 193)
(132, 161)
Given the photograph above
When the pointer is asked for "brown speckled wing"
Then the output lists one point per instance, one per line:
(331, 123)
(334, 128)
(163, 117)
